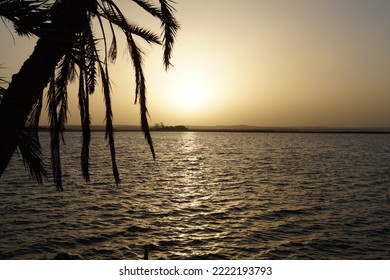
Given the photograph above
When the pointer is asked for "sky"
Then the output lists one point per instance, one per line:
(253, 62)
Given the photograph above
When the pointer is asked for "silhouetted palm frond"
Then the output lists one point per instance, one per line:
(56, 130)
(29, 143)
(29, 17)
(170, 26)
(136, 55)
(168, 23)
(31, 152)
(109, 125)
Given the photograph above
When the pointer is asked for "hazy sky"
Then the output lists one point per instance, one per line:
(255, 62)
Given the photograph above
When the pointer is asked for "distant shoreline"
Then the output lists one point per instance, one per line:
(242, 130)
(296, 131)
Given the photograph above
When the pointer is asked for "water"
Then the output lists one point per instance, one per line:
(207, 196)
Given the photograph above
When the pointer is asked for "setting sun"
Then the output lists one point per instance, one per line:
(190, 98)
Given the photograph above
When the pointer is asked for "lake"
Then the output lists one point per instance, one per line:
(207, 196)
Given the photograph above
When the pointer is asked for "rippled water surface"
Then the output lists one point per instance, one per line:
(207, 196)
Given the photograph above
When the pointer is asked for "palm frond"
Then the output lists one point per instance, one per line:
(103, 67)
(85, 124)
(61, 79)
(136, 55)
(87, 83)
(113, 51)
(114, 15)
(57, 111)
(109, 124)
(31, 151)
(149, 7)
(55, 135)
(28, 17)
(34, 117)
(170, 28)
(169, 24)
(90, 66)
(29, 145)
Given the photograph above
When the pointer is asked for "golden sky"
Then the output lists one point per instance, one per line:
(254, 62)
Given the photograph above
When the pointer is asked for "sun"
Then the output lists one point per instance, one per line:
(190, 98)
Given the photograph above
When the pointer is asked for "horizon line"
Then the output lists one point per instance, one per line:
(242, 128)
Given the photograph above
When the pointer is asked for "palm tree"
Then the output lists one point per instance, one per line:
(68, 47)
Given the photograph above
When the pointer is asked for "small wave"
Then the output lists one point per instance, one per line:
(137, 229)
(91, 240)
(168, 243)
(196, 242)
(289, 212)
(94, 208)
(21, 222)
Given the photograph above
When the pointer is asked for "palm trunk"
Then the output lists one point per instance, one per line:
(23, 92)
(27, 86)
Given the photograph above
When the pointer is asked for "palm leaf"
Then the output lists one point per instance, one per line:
(57, 112)
(109, 125)
(170, 28)
(55, 133)
(113, 15)
(169, 24)
(29, 17)
(103, 67)
(149, 7)
(29, 143)
(85, 124)
(31, 152)
(136, 55)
